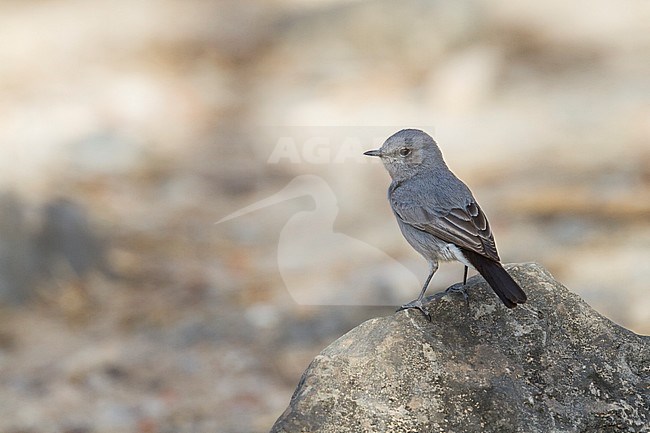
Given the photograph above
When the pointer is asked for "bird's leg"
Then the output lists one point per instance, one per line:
(456, 288)
(417, 303)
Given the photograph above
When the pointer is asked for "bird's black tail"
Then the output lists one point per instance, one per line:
(501, 282)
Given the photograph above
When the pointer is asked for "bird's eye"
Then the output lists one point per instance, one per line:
(405, 151)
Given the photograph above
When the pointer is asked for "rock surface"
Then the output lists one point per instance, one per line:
(554, 365)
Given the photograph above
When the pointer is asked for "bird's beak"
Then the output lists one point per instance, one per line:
(373, 152)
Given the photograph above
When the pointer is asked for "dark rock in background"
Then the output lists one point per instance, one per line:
(553, 365)
(65, 246)
(17, 252)
(67, 239)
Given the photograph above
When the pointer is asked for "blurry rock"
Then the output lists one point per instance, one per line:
(17, 259)
(67, 242)
(106, 153)
(553, 365)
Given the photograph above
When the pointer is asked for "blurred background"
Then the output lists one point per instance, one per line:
(128, 129)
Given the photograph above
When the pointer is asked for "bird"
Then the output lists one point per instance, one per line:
(321, 266)
(438, 215)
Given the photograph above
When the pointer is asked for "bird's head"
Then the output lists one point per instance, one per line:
(407, 153)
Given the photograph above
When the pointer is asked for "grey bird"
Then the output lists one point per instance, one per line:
(439, 216)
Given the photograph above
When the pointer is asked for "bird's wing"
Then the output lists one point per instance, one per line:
(466, 227)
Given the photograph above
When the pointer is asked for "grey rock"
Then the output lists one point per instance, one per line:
(68, 237)
(17, 253)
(551, 365)
(65, 247)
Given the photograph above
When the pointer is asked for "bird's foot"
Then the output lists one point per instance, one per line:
(417, 304)
(456, 288)
(459, 288)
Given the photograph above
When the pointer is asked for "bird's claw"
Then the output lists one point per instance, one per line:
(458, 288)
(418, 305)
